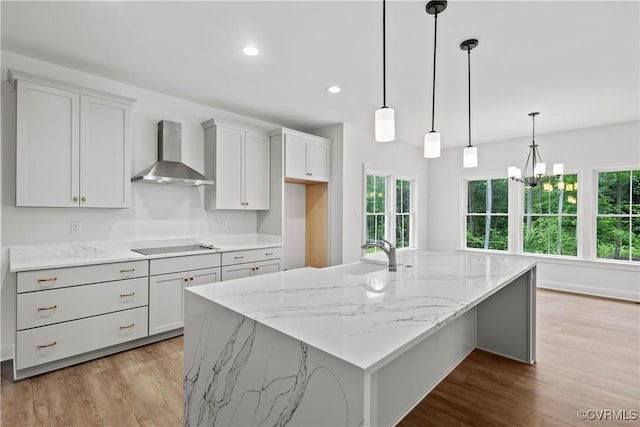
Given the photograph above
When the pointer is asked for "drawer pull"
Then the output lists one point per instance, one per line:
(51, 279)
(127, 326)
(191, 279)
(127, 295)
(238, 257)
(186, 279)
(128, 270)
(51, 344)
(53, 307)
(268, 253)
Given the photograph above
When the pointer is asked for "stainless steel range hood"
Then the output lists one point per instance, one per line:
(169, 168)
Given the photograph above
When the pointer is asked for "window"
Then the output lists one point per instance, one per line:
(376, 210)
(618, 218)
(551, 217)
(389, 210)
(487, 220)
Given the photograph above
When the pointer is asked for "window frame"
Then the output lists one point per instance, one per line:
(596, 215)
(390, 206)
(465, 211)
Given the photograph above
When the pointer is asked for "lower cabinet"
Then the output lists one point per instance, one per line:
(239, 271)
(252, 262)
(65, 313)
(166, 297)
(167, 281)
(58, 341)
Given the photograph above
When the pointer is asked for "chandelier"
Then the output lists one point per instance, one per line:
(538, 167)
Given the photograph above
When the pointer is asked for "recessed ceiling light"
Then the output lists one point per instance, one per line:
(334, 89)
(250, 51)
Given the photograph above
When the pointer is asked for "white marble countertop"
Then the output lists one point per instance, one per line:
(366, 317)
(40, 257)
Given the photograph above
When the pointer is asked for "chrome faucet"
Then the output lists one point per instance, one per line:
(390, 251)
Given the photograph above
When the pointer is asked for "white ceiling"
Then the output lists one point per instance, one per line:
(577, 61)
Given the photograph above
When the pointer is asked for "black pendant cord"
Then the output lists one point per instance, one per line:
(433, 93)
(384, 54)
(469, 71)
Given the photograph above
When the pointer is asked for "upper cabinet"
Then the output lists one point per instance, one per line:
(73, 145)
(306, 157)
(238, 159)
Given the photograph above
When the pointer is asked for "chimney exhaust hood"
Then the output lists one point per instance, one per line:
(169, 168)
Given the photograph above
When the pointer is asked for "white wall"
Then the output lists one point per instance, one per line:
(157, 211)
(582, 151)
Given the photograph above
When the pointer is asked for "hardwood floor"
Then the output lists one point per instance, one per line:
(588, 358)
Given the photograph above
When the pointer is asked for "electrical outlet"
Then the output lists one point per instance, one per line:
(225, 224)
(76, 227)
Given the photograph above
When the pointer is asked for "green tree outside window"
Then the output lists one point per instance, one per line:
(551, 217)
(618, 219)
(487, 214)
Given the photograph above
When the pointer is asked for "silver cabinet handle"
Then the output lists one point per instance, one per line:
(52, 307)
(51, 344)
(127, 326)
(130, 294)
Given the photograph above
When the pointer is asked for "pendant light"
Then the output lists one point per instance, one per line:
(470, 153)
(432, 139)
(538, 168)
(385, 116)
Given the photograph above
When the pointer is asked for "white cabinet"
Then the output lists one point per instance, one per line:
(253, 262)
(72, 145)
(238, 159)
(166, 290)
(306, 158)
(67, 312)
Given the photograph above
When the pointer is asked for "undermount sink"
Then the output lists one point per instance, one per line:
(359, 268)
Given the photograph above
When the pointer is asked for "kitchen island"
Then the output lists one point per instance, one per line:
(349, 345)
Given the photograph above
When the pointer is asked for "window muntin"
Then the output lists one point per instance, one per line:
(487, 222)
(618, 215)
(551, 217)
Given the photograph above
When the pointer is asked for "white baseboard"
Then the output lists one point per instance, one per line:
(589, 290)
(6, 352)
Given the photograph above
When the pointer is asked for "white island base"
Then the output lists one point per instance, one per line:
(342, 347)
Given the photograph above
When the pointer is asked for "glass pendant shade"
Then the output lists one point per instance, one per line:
(385, 124)
(514, 172)
(432, 145)
(540, 169)
(470, 157)
(558, 168)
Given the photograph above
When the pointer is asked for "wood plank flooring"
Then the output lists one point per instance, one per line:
(588, 358)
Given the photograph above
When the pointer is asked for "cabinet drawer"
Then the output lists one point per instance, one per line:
(183, 263)
(60, 305)
(48, 343)
(252, 255)
(38, 280)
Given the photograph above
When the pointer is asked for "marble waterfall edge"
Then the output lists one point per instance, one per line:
(246, 374)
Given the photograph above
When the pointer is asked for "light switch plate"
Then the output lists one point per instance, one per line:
(76, 227)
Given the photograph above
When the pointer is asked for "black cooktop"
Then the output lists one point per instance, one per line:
(172, 249)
